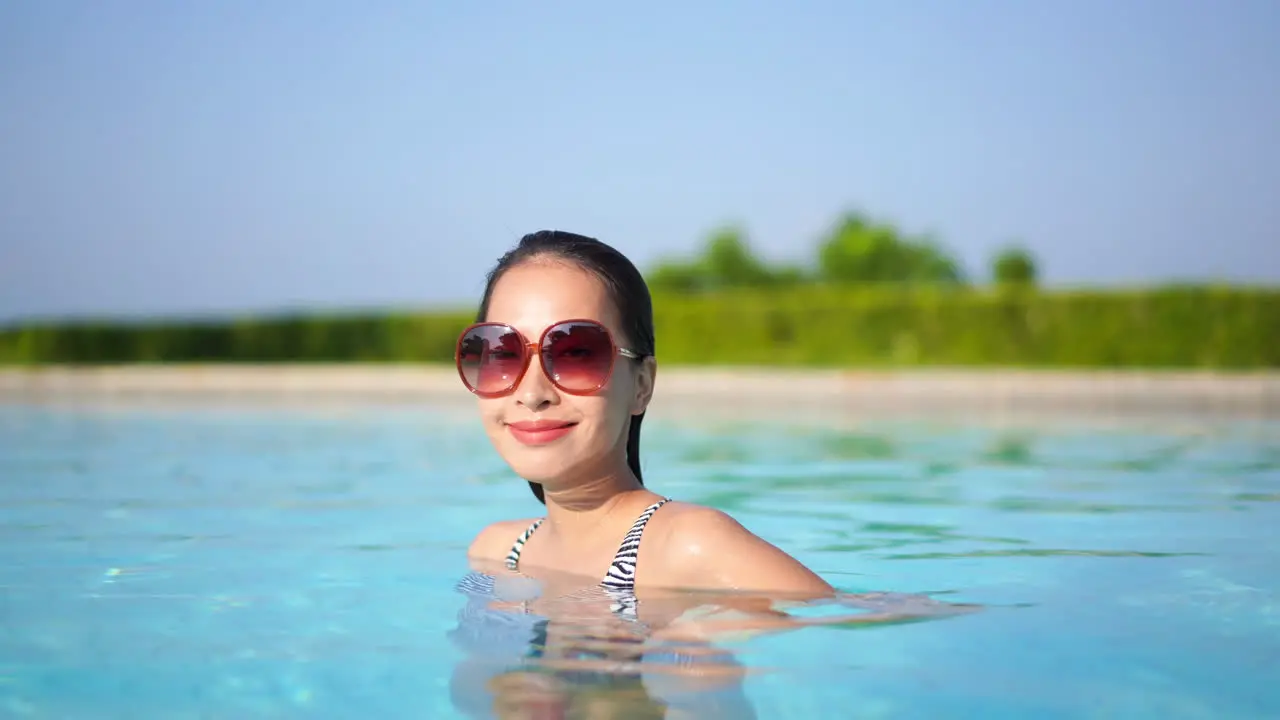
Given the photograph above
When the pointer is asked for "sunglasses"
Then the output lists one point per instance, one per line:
(577, 357)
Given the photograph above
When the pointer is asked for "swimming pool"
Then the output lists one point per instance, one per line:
(238, 561)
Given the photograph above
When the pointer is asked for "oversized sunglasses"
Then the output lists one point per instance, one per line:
(577, 357)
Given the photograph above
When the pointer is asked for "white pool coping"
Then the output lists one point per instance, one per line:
(688, 388)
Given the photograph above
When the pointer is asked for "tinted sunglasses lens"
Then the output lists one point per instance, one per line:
(490, 358)
(578, 356)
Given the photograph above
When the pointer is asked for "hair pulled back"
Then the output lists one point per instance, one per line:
(623, 283)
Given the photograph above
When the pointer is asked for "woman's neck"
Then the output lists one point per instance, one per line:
(585, 506)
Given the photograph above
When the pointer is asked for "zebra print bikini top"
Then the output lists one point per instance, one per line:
(622, 571)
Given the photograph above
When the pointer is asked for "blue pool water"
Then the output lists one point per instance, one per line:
(225, 561)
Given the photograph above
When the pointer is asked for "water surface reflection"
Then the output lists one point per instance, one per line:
(560, 646)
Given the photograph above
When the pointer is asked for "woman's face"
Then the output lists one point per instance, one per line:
(531, 297)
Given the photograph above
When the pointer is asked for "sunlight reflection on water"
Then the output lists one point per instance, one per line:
(237, 561)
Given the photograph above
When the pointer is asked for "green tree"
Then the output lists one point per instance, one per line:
(729, 261)
(859, 250)
(928, 262)
(1014, 266)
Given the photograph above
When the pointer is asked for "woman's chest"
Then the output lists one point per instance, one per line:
(555, 558)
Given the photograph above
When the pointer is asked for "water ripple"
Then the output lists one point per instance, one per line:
(264, 562)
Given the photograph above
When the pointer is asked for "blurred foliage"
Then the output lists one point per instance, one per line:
(823, 325)
(857, 250)
(862, 251)
(727, 262)
(313, 338)
(811, 324)
(873, 297)
(1014, 266)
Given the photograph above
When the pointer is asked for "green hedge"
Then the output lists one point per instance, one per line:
(1205, 327)
(312, 338)
(1181, 327)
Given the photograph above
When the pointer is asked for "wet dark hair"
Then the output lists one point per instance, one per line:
(622, 281)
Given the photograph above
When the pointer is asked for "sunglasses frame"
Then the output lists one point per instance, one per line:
(530, 349)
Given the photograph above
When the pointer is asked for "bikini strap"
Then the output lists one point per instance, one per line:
(622, 572)
(513, 557)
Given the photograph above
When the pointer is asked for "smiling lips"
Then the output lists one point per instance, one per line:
(540, 432)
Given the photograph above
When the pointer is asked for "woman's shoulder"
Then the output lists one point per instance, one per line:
(689, 521)
(701, 546)
(692, 531)
(495, 540)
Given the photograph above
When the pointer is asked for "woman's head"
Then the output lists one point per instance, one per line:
(599, 392)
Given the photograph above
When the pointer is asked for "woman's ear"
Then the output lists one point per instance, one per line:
(646, 373)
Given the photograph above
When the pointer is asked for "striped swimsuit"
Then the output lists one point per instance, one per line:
(622, 571)
(618, 583)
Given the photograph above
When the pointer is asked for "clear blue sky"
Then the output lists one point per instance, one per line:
(162, 157)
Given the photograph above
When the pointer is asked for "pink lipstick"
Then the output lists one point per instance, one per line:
(540, 432)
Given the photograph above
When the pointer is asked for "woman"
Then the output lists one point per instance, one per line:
(563, 363)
